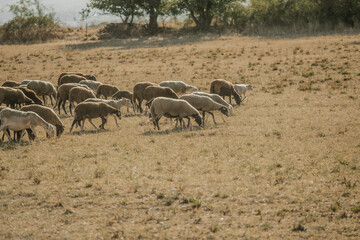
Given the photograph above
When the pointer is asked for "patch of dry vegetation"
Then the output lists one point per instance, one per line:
(286, 165)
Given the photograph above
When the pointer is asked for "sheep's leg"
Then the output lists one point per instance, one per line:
(82, 126)
(44, 99)
(30, 134)
(222, 117)
(203, 119)
(70, 108)
(230, 99)
(103, 121)
(188, 122)
(72, 125)
(33, 131)
(63, 106)
(157, 123)
(213, 117)
(51, 100)
(91, 123)
(141, 110)
(6, 132)
(116, 121)
(58, 104)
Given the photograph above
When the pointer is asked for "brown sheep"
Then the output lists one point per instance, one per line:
(90, 110)
(106, 90)
(11, 96)
(157, 91)
(138, 93)
(124, 94)
(225, 88)
(48, 115)
(42, 89)
(78, 95)
(10, 84)
(88, 77)
(70, 79)
(31, 94)
(63, 94)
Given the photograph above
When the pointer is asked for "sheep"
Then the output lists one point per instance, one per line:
(42, 89)
(88, 77)
(16, 120)
(70, 79)
(217, 99)
(156, 91)
(138, 93)
(91, 84)
(241, 89)
(63, 94)
(124, 94)
(179, 86)
(31, 94)
(90, 110)
(205, 104)
(106, 90)
(11, 96)
(78, 95)
(225, 88)
(172, 108)
(48, 115)
(10, 84)
(114, 103)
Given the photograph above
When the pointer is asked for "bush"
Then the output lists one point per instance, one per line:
(30, 24)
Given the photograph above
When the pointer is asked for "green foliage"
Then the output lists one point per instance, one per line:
(32, 22)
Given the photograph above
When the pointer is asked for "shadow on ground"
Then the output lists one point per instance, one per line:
(146, 42)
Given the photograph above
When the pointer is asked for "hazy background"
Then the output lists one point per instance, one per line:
(66, 11)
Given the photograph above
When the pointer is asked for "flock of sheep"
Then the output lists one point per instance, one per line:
(172, 99)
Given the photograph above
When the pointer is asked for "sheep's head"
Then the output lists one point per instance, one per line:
(50, 130)
(198, 118)
(192, 89)
(237, 98)
(59, 130)
(224, 111)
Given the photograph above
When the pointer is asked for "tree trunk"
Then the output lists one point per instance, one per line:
(153, 24)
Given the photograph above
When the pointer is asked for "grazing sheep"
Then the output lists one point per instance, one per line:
(42, 89)
(114, 103)
(217, 99)
(106, 90)
(90, 110)
(16, 120)
(10, 84)
(48, 115)
(88, 77)
(156, 91)
(205, 104)
(12, 96)
(241, 89)
(138, 93)
(78, 95)
(63, 94)
(70, 79)
(91, 84)
(225, 88)
(124, 94)
(179, 86)
(172, 108)
(31, 94)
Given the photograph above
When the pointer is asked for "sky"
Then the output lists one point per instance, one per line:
(65, 10)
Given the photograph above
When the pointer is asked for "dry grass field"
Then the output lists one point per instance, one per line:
(286, 165)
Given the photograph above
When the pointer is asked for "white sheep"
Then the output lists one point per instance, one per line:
(91, 84)
(241, 89)
(179, 86)
(205, 104)
(172, 108)
(16, 120)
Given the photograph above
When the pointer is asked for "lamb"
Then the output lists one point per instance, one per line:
(31, 94)
(90, 110)
(48, 115)
(217, 99)
(138, 93)
(10, 84)
(205, 104)
(114, 103)
(11, 96)
(179, 86)
(124, 94)
(16, 120)
(63, 94)
(91, 84)
(78, 95)
(106, 90)
(225, 88)
(172, 108)
(241, 89)
(70, 79)
(88, 77)
(156, 91)
(42, 89)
